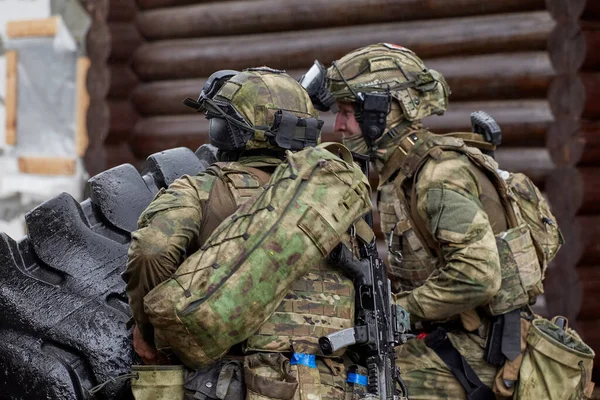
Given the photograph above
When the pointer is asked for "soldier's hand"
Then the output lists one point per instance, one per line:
(145, 350)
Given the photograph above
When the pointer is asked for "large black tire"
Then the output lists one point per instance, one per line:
(63, 307)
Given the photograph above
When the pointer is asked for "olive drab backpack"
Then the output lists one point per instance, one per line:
(532, 238)
(255, 255)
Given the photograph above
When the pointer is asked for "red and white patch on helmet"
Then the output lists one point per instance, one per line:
(396, 47)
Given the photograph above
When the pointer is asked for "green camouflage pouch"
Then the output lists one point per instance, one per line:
(557, 364)
(535, 211)
(268, 376)
(158, 382)
(520, 270)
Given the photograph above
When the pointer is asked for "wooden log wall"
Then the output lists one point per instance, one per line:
(111, 41)
(574, 144)
(492, 53)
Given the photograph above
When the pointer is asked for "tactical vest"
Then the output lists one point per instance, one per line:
(526, 232)
(320, 303)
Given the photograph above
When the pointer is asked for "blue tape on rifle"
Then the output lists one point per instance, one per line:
(357, 378)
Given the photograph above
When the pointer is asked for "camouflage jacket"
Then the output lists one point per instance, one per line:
(448, 201)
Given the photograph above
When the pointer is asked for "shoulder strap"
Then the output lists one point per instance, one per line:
(221, 202)
(413, 154)
(474, 388)
(222, 169)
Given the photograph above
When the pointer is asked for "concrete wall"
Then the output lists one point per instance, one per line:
(45, 108)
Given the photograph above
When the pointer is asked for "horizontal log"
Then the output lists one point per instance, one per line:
(121, 10)
(122, 121)
(125, 39)
(191, 58)
(525, 75)
(574, 142)
(574, 191)
(575, 96)
(587, 234)
(533, 162)
(589, 275)
(563, 292)
(488, 77)
(95, 159)
(160, 133)
(155, 134)
(572, 46)
(98, 80)
(523, 122)
(166, 97)
(589, 330)
(97, 41)
(97, 122)
(573, 9)
(117, 154)
(262, 16)
(148, 4)
(122, 81)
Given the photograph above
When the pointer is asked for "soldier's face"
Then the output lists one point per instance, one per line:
(345, 122)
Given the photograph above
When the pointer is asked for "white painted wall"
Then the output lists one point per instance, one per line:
(20, 192)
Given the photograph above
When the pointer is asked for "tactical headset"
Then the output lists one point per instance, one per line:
(370, 109)
(229, 130)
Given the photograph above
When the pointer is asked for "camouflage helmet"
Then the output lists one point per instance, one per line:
(259, 108)
(386, 69)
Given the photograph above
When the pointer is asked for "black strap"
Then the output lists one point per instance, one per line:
(475, 389)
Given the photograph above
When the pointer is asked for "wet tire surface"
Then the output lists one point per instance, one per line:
(63, 307)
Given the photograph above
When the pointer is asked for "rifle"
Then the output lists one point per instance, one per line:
(379, 324)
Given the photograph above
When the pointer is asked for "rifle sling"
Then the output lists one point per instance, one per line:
(475, 389)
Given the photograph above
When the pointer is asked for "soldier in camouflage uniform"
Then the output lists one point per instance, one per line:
(443, 199)
(181, 218)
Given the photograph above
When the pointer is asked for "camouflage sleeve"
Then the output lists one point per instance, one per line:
(166, 229)
(448, 201)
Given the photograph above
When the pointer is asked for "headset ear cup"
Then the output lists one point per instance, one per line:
(220, 134)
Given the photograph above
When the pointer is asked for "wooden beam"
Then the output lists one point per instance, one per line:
(124, 40)
(575, 96)
(121, 10)
(262, 16)
(573, 9)
(590, 281)
(193, 58)
(82, 104)
(523, 122)
(12, 93)
(487, 77)
(575, 191)
(573, 142)
(32, 28)
(573, 46)
(47, 165)
(122, 121)
(148, 4)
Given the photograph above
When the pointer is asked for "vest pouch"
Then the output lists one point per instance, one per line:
(304, 369)
(268, 376)
(157, 382)
(222, 380)
(557, 364)
(520, 270)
